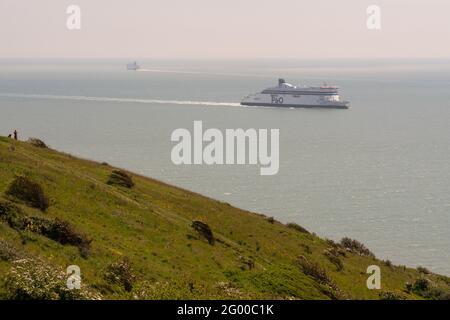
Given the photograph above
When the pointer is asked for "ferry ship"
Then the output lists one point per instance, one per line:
(287, 95)
(133, 66)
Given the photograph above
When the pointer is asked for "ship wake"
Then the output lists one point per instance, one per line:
(119, 100)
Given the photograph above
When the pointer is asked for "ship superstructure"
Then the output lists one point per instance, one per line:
(133, 66)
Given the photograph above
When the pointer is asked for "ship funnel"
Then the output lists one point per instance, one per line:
(280, 82)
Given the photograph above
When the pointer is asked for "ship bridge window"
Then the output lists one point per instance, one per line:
(332, 98)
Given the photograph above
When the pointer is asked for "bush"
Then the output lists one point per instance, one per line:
(423, 270)
(297, 227)
(306, 248)
(425, 288)
(438, 294)
(333, 256)
(409, 287)
(247, 262)
(388, 264)
(8, 252)
(390, 295)
(356, 247)
(314, 270)
(120, 178)
(34, 280)
(11, 214)
(421, 284)
(320, 275)
(332, 243)
(59, 231)
(204, 230)
(271, 220)
(28, 191)
(37, 143)
(121, 273)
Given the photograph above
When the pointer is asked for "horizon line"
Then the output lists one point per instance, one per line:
(224, 58)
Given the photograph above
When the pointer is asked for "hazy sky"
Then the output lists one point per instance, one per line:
(225, 29)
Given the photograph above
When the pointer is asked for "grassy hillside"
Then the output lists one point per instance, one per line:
(139, 242)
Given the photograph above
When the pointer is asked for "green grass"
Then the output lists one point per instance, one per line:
(150, 225)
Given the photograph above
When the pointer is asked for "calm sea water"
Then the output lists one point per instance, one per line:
(379, 172)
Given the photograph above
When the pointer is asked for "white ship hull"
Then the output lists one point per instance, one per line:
(133, 66)
(290, 101)
(289, 96)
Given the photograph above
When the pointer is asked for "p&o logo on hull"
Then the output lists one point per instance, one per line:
(276, 99)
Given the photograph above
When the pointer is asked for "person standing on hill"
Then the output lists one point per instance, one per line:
(15, 134)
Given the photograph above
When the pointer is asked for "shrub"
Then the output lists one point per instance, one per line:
(34, 280)
(120, 178)
(37, 143)
(333, 256)
(409, 287)
(314, 270)
(423, 270)
(341, 251)
(247, 262)
(59, 231)
(11, 214)
(271, 220)
(421, 284)
(438, 294)
(297, 227)
(425, 288)
(336, 247)
(204, 230)
(388, 264)
(306, 248)
(8, 252)
(390, 295)
(28, 191)
(319, 274)
(332, 243)
(356, 247)
(121, 273)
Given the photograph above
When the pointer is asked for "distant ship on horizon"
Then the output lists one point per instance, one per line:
(133, 66)
(287, 95)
